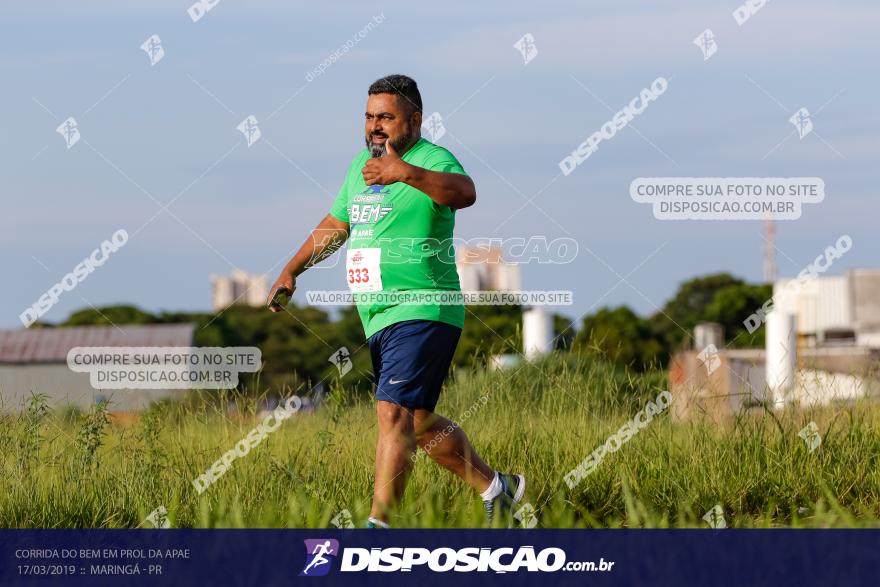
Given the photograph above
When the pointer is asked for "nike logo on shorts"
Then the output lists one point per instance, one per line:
(393, 382)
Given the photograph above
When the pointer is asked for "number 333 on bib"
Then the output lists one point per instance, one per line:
(363, 270)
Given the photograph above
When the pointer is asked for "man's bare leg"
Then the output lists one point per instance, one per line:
(449, 447)
(394, 452)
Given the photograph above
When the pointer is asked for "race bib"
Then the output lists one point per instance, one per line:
(363, 270)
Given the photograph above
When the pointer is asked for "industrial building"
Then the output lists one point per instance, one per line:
(239, 288)
(34, 361)
(484, 269)
(842, 309)
(822, 346)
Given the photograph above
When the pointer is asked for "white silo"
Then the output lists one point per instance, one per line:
(781, 355)
(537, 333)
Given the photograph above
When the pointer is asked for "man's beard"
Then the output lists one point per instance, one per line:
(379, 150)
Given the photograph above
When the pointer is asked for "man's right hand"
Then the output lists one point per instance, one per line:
(324, 239)
(285, 283)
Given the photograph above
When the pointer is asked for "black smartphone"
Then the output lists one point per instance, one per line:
(280, 298)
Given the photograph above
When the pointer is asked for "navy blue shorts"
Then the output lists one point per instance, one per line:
(410, 361)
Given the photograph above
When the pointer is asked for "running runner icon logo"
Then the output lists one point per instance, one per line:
(320, 554)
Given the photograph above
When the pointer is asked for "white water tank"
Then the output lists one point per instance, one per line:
(708, 333)
(781, 338)
(537, 333)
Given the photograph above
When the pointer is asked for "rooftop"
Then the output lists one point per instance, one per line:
(51, 345)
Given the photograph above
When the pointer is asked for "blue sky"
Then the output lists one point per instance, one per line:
(170, 131)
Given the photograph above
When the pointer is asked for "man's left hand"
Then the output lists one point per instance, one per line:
(387, 169)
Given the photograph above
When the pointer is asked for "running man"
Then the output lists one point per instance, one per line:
(397, 206)
(319, 552)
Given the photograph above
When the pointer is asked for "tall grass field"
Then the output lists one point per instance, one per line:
(62, 469)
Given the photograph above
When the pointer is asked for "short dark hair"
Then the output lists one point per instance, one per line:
(399, 85)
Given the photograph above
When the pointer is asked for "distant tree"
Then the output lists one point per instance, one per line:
(732, 305)
(497, 330)
(489, 330)
(296, 344)
(622, 337)
(563, 332)
(675, 322)
(350, 327)
(110, 315)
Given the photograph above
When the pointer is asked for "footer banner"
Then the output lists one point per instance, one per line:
(436, 557)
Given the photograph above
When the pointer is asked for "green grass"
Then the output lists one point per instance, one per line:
(75, 470)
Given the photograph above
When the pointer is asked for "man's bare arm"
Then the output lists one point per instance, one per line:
(448, 189)
(325, 239)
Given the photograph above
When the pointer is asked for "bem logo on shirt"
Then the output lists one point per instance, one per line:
(368, 213)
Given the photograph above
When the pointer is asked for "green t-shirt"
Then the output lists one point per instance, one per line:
(400, 241)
